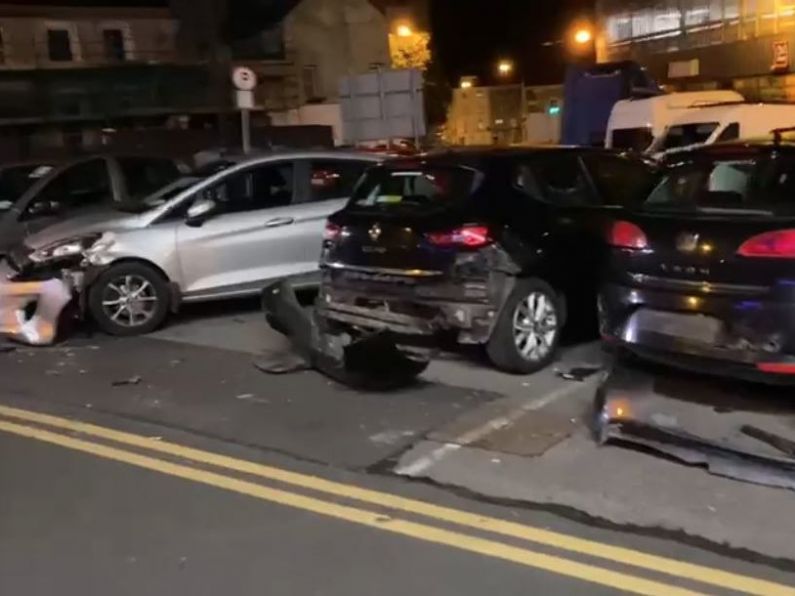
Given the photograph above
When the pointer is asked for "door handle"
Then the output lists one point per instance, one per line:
(279, 221)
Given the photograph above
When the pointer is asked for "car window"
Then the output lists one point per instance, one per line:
(82, 185)
(684, 135)
(422, 189)
(335, 179)
(15, 180)
(620, 181)
(737, 183)
(730, 133)
(144, 175)
(632, 139)
(556, 179)
(260, 187)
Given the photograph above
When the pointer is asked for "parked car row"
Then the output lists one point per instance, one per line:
(691, 259)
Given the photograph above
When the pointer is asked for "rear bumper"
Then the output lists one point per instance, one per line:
(420, 315)
(756, 341)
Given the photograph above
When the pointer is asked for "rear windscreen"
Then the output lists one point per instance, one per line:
(683, 135)
(426, 188)
(753, 183)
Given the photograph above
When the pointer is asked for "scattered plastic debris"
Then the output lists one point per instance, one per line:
(134, 380)
(578, 373)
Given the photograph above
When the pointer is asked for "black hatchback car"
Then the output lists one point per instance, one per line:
(488, 247)
(703, 275)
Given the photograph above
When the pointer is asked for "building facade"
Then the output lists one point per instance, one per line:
(748, 45)
(504, 115)
(68, 74)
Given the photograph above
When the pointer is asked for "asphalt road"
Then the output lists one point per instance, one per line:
(198, 474)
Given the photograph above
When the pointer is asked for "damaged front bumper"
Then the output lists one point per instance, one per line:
(736, 430)
(34, 297)
(30, 311)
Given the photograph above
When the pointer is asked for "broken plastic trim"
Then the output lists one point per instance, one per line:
(371, 361)
(50, 297)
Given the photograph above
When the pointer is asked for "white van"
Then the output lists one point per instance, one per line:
(634, 124)
(716, 124)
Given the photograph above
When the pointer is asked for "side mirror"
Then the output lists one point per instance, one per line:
(200, 211)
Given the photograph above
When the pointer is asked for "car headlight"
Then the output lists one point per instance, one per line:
(71, 247)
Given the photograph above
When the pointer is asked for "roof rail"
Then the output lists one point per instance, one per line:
(778, 132)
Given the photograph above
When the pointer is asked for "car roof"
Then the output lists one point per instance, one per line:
(478, 154)
(258, 156)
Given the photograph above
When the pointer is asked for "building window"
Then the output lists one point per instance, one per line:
(59, 45)
(309, 80)
(113, 45)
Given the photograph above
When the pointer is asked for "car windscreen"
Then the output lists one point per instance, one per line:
(632, 139)
(159, 197)
(15, 180)
(750, 184)
(426, 188)
(685, 135)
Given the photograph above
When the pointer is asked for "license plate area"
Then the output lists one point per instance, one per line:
(698, 328)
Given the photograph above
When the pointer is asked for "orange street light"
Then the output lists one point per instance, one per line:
(466, 84)
(505, 67)
(583, 36)
(404, 30)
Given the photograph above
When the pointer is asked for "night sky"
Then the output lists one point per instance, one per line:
(471, 35)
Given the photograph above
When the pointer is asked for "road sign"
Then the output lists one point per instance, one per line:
(780, 56)
(244, 78)
(385, 104)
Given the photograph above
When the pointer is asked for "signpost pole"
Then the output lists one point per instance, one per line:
(245, 130)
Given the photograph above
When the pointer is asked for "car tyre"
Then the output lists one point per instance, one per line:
(129, 299)
(526, 336)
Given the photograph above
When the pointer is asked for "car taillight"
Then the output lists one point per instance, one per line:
(771, 245)
(625, 234)
(465, 236)
(332, 231)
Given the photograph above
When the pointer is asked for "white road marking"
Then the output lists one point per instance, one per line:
(422, 464)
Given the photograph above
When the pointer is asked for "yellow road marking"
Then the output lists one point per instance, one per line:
(490, 548)
(617, 554)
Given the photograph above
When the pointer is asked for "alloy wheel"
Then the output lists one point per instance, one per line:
(129, 301)
(535, 325)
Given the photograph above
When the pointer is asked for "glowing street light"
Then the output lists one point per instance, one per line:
(466, 84)
(404, 30)
(583, 36)
(505, 67)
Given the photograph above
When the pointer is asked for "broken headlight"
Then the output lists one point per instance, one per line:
(71, 247)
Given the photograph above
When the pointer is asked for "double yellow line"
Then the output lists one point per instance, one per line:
(34, 425)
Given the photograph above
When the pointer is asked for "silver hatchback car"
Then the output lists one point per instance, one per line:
(224, 231)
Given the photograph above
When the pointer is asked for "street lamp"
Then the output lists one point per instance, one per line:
(404, 30)
(583, 36)
(466, 84)
(505, 67)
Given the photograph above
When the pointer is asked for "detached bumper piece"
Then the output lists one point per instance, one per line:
(372, 361)
(30, 311)
(737, 430)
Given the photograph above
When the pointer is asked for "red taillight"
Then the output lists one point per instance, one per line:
(625, 234)
(332, 231)
(777, 368)
(771, 245)
(466, 236)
